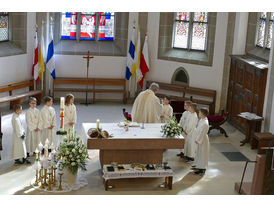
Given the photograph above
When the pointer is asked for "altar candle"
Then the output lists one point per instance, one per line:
(46, 150)
(98, 123)
(37, 153)
(47, 142)
(62, 102)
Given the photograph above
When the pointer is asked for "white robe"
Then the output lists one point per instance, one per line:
(202, 154)
(190, 125)
(146, 108)
(167, 112)
(18, 144)
(183, 119)
(70, 116)
(34, 121)
(49, 118)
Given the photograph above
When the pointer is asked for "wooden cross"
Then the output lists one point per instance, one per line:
(87, 57)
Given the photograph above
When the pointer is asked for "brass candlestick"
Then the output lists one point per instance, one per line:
(42, 186)
(40, 175)
(49, 182)
(45, 177)
(36, 180)
(60, 182)
(54, 176)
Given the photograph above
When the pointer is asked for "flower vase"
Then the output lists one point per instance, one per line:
(70, 178)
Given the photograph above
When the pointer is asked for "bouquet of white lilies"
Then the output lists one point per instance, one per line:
(172, 128)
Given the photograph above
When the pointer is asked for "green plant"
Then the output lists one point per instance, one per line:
(172, 128)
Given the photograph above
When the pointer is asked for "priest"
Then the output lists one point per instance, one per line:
(147, 107)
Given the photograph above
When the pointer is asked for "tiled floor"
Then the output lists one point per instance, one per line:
(219, 178)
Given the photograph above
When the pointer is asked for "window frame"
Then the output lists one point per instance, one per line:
(78, 29)
(191, 22)
(268, 20)
(8, 39)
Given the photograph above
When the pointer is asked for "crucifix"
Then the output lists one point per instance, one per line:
(87, 57)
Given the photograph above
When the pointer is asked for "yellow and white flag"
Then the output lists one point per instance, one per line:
(41, 58)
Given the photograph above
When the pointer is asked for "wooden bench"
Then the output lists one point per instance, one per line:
(194, 94)
(16, 98)
(92, 83)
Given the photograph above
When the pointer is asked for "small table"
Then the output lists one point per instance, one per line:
(250, 119)
(262, 139)
(129, 172)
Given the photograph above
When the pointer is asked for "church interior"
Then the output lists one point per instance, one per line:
(220, 63)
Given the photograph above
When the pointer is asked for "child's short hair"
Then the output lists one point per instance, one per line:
(204, 111)
(68, 98)
(32, 99)
(193, 105)
(17, 107)
(167, 97)
(188, 103)
(48, 99)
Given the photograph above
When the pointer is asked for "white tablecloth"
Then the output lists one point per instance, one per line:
(150, 131)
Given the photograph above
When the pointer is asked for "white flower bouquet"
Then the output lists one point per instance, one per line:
(73, 153)
(172, 128)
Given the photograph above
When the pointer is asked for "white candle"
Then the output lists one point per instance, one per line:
(98, 123)
(37, 153)
(40, 146)
(47, 143)
(62, 102)
(46, 151)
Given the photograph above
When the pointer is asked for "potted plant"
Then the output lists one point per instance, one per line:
(172, 128)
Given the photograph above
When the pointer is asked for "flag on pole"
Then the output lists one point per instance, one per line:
(131, 53)
(35, 66)
(144, 63)
(50, 56)
(41, 58)
(135, 70)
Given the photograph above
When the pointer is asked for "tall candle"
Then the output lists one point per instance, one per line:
(36, 152)
(62, 102)
(98, 123)
(62, 114)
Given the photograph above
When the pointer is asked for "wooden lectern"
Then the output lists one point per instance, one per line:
(263, 176)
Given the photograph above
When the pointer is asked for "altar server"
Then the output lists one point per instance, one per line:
(18, 137)
(49, 121)
(183, 122)
(70, 112)
(147, 107)
(190, 125)
(201, 139)
(34, 126)
(167, 111)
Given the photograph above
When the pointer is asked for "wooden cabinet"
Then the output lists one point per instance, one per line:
(246, 90)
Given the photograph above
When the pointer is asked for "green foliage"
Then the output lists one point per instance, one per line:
(172, 128)
(73, 152)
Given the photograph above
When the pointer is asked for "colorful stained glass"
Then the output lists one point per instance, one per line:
(181, 34)
(263, 15)
(106, 26)
(183, 16)
(199, 34)
(69, 25)
(261, 33)
(269, 35)
(200, 16)
(272, 16)
(4, 26)
(88, 25)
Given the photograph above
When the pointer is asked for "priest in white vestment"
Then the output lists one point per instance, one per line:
(34, 126)
(49, 121)
(202, 154)
(147, 107)
(190, 126)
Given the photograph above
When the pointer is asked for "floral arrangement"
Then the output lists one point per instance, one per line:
(72, 153)
(172, 128)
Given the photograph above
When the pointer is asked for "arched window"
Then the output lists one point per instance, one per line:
(190, 30)
(4, 26)
(91, 26)
(264, 29)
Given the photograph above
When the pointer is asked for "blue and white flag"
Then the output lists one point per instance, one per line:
(50, 56)
(131, 53)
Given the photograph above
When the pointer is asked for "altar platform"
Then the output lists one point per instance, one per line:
(134, 146)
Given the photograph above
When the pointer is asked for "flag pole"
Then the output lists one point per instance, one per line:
(35, 82)
(50, 30)
(42, 33)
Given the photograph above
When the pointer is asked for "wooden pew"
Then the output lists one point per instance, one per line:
(16, 98)
(194, 93)
(92, 83)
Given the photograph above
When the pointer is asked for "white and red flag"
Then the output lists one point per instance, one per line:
(144, 62)
(35, 66)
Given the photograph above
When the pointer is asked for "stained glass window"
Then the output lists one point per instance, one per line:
(261, 30)
(106, 26)
(190, 30)
(69, 25)
(4, 26)
(270, 27)
(88, 25)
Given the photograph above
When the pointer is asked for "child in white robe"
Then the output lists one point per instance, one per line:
(70, 113)
(201, 139)
(18, 137)
(183, 122)
(190, 125)
(167, 111)
(34, 126)
(49, 121)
